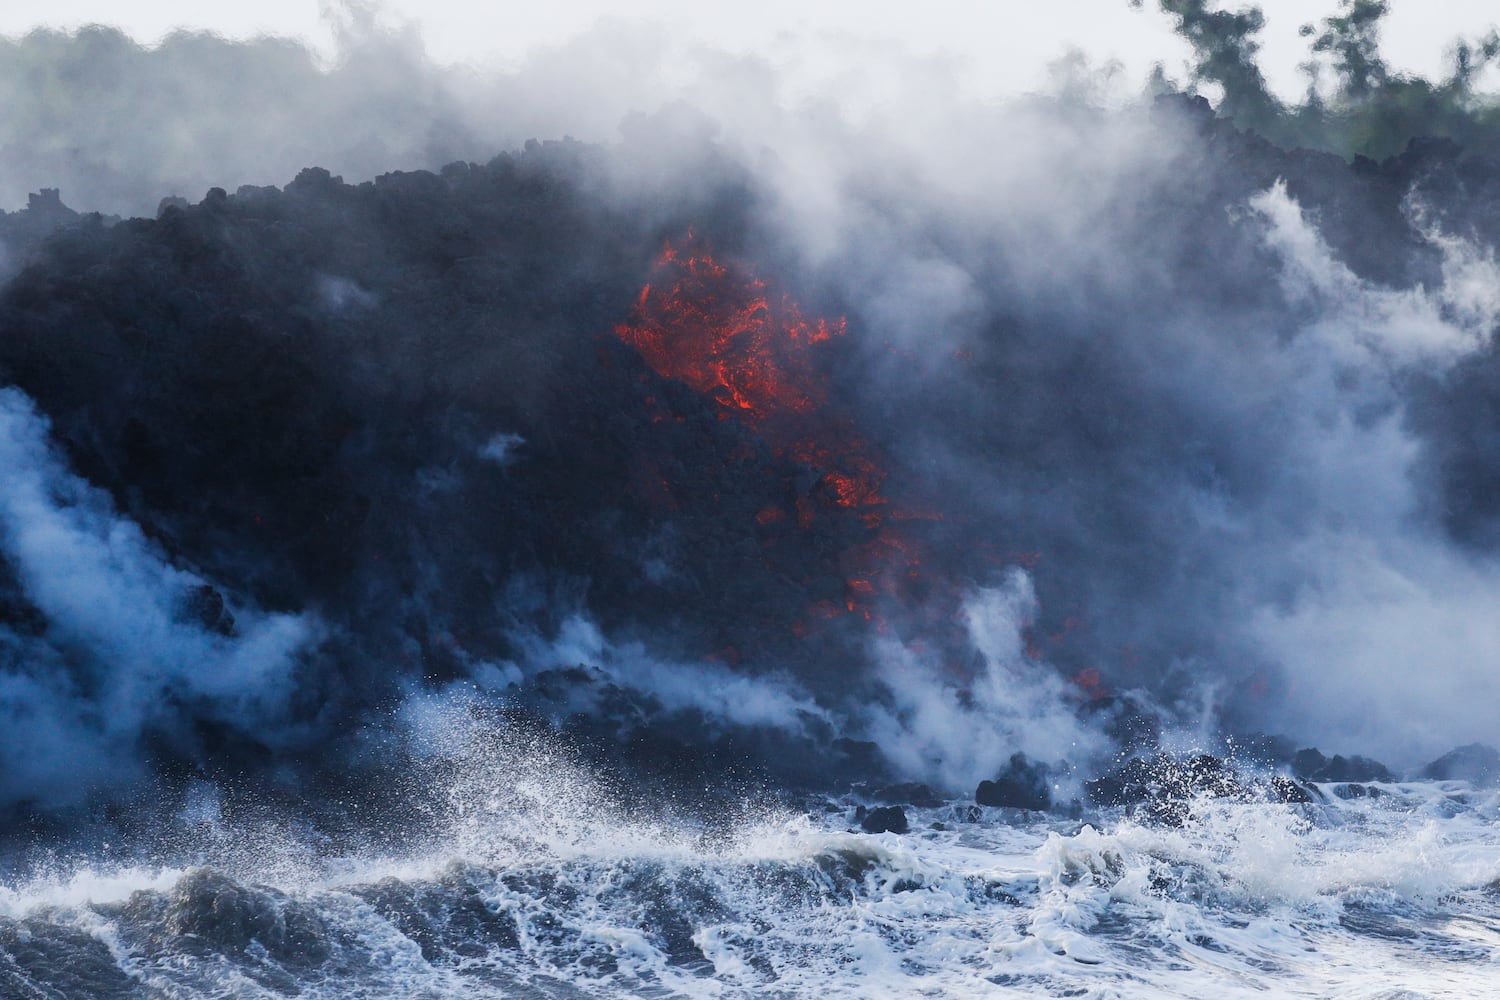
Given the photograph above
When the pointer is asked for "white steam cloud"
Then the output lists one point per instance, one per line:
(957, 731)
(1383, 635)
(1361, 324)
(118, 649)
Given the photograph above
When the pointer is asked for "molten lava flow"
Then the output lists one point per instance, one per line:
(727, 337)
(753, 352)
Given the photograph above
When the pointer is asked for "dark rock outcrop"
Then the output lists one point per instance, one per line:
(1022, 785)
(1475, 763)
(1310, 764)
(886, 819)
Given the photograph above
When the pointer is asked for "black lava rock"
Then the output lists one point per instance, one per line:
(1279, 789)
(1022, 785)
(1357, 768)
(1475, 763)
(1207, 773)
(886, 819)
(1309, 763)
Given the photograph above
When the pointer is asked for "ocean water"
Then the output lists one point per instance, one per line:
(541, 881)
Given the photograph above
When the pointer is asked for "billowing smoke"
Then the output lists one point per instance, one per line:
(843, 441)
(953, 736)
(120, 642)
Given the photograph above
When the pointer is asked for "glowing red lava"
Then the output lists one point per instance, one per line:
(752, 351)
(725, 336)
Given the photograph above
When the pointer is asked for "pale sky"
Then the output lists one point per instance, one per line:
(1006, 44)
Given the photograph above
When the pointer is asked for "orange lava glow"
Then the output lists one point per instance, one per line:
(750, 349)
(727, 337)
